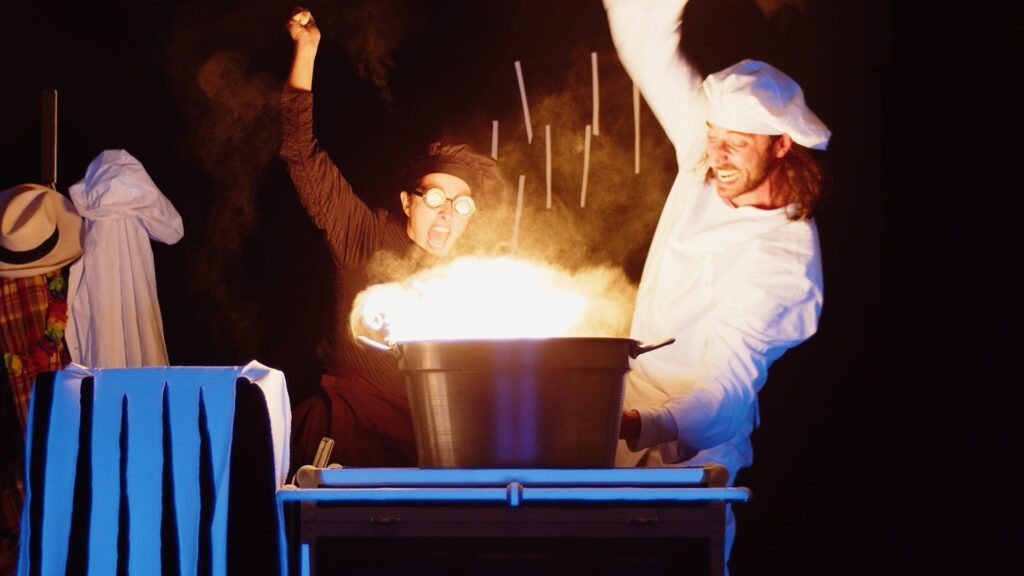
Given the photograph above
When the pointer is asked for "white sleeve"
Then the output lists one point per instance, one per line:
(758, 322)
(646, 35)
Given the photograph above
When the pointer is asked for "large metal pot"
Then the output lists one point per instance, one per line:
(529, 403)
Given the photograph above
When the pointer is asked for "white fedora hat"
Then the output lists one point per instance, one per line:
(40, 231)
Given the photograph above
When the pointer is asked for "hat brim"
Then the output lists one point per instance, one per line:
(67, 249)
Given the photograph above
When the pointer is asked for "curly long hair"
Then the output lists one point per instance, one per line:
(799, 179)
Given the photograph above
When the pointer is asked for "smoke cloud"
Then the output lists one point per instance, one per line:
(370, 32)
(622, 207)
(598, 249)
(231, 104)
(230, 110)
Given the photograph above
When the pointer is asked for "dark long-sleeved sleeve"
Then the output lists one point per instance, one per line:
(352, 230)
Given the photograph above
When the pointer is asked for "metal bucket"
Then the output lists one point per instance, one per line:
(541, 403)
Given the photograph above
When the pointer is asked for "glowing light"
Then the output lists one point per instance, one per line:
(484, 298)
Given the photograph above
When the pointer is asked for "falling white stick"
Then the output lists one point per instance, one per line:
(547, 160)
(494, 139)
(519, 213)
(636, 129)
(586, 165)
(526, 107)
(597, 99)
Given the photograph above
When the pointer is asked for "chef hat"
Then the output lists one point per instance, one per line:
(757, 98)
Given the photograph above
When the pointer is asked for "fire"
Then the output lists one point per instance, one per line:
(489, 298)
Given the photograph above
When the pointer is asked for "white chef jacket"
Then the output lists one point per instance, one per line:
(735, 286)
(114, 317)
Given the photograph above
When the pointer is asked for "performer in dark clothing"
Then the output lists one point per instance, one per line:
(364, 408)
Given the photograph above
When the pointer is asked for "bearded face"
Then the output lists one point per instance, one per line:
(738, 161)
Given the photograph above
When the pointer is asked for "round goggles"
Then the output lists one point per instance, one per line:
(434, 198)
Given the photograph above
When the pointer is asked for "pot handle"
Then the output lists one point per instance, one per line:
(637, 348)
(386, 347)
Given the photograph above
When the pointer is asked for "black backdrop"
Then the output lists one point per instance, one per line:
(190, 89)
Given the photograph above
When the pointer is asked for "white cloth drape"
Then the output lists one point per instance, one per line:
(114, 316)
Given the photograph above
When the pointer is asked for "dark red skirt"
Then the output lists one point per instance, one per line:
(370, 426)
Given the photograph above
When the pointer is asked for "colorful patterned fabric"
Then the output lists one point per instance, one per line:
(33, 314)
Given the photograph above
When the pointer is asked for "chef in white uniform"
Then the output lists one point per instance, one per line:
(734, 269)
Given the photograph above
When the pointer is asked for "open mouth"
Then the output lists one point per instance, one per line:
(726, 176)
(437, 236)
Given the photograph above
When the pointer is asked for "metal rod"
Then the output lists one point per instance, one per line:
(48, 104)
(636, 129)
(526, 107)
(547, 161)
(597, 98)
(494, 139)
(586, 165)
(519, 214)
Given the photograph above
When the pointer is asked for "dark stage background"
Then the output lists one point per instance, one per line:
(191, 90)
